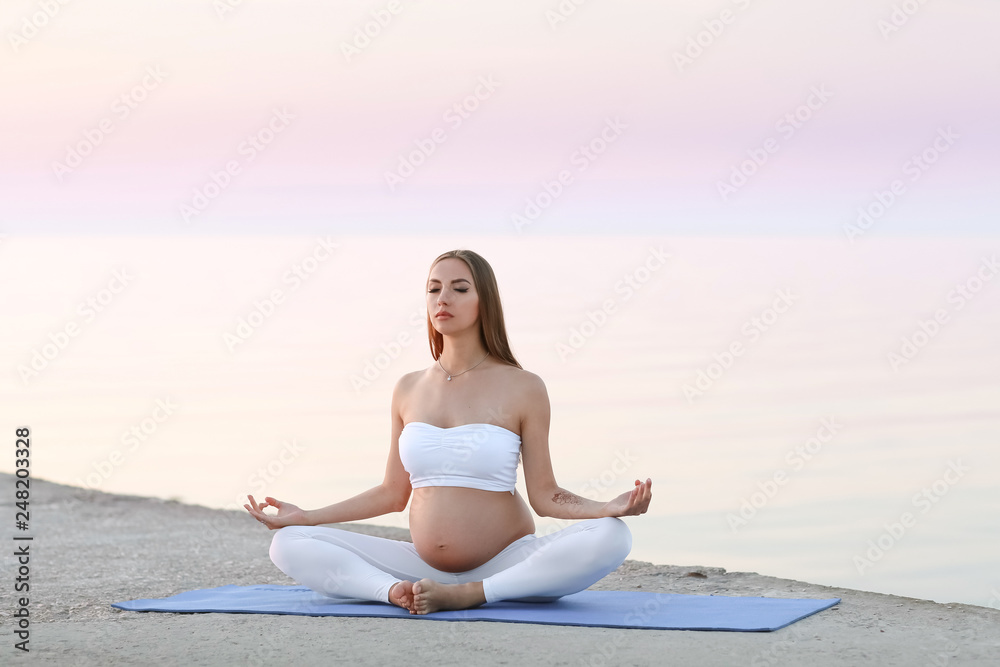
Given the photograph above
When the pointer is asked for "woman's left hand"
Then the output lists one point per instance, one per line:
(631, 502)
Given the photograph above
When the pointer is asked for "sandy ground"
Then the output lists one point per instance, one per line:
(93, 548)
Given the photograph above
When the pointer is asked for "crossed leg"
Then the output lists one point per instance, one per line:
(339, 563)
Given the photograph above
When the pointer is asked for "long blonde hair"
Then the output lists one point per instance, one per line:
(492, 331)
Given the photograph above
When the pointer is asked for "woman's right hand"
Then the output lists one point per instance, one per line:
(288, 514)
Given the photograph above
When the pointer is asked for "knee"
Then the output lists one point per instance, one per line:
(615, 538)
(280, 544)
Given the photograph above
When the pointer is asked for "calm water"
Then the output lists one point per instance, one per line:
(763, 384)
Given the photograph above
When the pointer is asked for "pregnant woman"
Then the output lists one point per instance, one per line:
(458, 430)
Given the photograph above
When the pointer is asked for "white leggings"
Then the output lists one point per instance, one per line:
(339, 563)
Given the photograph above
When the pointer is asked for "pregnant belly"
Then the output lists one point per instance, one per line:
(455, 529)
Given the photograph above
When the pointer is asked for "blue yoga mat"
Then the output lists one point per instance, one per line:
(611, 609)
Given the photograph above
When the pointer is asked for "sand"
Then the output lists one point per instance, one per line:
(93, 548)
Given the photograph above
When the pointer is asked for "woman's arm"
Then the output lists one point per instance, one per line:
(376, 501)
(546, 497)
(391, 495)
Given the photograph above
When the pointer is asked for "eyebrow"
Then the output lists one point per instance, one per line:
(456, 280)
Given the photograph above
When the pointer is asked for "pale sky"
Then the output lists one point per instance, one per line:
(728, 117)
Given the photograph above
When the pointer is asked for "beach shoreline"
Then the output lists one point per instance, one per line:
(91, 549)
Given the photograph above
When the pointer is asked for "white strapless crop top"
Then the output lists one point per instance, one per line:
(476, 456)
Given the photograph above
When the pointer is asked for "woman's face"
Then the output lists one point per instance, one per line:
(450, 289)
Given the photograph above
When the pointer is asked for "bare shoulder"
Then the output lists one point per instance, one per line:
(407, 380)
(527, 382)
(403, 387)
(533, 399)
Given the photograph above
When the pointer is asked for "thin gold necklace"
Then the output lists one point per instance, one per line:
(465, 371)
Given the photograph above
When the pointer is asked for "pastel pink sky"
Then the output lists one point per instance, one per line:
(684, 128)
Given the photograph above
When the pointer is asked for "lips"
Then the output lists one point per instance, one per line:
(443, 314)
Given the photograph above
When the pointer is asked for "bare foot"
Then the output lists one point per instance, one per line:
(430, 596)
(401, 595)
